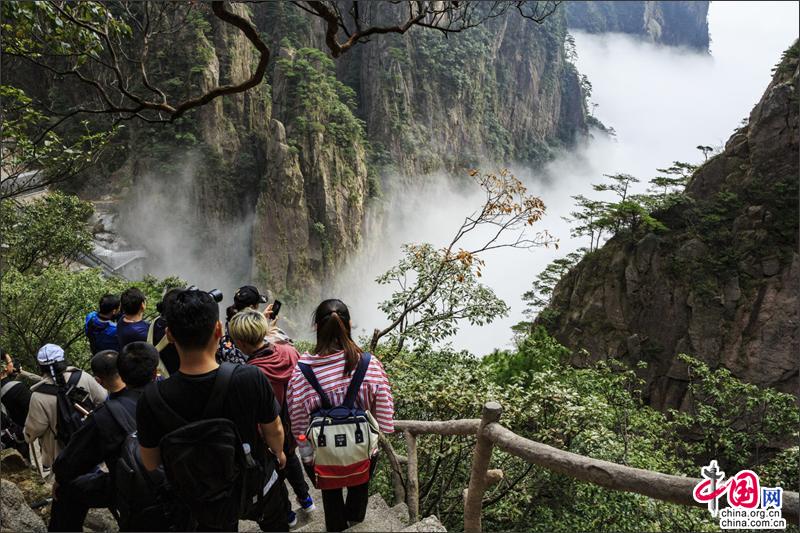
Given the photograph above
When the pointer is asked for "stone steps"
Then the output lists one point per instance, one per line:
(380, 518)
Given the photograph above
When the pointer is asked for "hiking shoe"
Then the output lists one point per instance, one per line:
(292, 519)
(307, 504)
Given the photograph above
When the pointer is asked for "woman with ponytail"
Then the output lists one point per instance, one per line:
(335, 358)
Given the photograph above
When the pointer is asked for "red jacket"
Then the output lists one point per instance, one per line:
(277, 362)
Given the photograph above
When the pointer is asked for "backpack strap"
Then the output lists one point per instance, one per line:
(150, 331)
(160, 345)
(356, 381)
(8, 386)
(223, 379)
(308, 372)
(53, 388)
(74, 378)
(165, 414)
(121, 416)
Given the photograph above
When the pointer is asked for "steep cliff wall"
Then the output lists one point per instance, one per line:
(500, 92)
(723, 284)
(675, 23)
(273, 184)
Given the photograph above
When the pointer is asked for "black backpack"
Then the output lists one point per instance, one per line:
(205, 462)
(69, 399)
(140, 496)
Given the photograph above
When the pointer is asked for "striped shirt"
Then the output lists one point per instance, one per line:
(375, 394)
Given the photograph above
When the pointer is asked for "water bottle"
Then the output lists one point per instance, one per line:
(248, 457)
(306, 451)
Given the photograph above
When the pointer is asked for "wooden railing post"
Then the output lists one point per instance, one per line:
(480, 464)
(412, 494)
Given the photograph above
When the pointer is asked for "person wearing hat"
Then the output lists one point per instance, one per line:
(42, 413)
(246, 297)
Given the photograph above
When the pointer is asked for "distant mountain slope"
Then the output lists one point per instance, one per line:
(722, 284)
(672, 23)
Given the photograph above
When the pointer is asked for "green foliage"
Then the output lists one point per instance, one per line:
(321, 103)
(735, 421)
(540, 294)
(667, 189)
(44, 297)
(38, 28)
(33, 154)
(597, 411)
(455, 294)
(48, 307)
(536, 352)
(49, 231)
(789, 60)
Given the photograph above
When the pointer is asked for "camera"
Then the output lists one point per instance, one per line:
(216, 294)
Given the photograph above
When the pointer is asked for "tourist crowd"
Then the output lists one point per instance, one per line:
(186, 423)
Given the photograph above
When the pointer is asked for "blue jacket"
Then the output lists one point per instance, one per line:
(102, 334)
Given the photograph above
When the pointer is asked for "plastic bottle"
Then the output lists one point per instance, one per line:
(306, 451)
(248, 457)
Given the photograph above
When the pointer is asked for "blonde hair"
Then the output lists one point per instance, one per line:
(249, 326)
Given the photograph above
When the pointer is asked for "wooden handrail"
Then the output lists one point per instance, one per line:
(666, 487)
(465, 426)
(489, 433)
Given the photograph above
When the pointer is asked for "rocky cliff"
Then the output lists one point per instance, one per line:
(273, 184)
(722, 284)
(500, 92)
(675, 23)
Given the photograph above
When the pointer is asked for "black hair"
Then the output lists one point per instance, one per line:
(56, 370)
(132, 300)
(332, 319)
(108, 304)
(137, 364)
(104, 364)
(169, 295)
(231, 311)
(191, 318)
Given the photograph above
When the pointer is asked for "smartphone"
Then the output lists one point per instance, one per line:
(276, 308)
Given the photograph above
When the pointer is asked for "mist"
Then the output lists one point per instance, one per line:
(661, 101)
(161, 214)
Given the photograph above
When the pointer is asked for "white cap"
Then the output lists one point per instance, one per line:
(49, 354)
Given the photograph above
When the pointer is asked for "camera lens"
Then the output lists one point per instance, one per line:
(216, 294)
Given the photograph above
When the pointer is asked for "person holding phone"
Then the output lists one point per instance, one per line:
(248, 297)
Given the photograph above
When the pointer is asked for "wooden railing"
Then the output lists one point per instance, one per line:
(489, 433)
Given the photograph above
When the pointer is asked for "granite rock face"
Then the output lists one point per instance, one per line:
(722, 284)
(262, 184)
(15, 514)
(675, 23)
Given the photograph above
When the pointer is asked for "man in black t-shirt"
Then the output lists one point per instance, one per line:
(193, 326)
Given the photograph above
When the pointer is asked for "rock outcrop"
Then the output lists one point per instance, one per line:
(273, 185)
(676, 23)
(500, 92)
(15, 514)
(722, 284)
